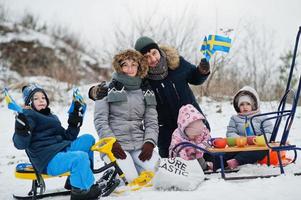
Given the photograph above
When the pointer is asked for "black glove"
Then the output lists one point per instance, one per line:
(116, 84)
(118, 151)
(99, 91)
(75, 117)
(204, 67)
(21, 125)
(147, 151)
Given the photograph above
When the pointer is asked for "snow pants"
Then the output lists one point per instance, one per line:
(76, 159)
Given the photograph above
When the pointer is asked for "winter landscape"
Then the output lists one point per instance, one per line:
(84, 66)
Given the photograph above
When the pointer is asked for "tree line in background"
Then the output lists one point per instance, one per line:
(252, 59)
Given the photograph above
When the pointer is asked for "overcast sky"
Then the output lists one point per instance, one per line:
(93, 19)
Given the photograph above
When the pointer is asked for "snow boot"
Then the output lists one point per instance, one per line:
(92, 194)
(67, 185)
(232, 164)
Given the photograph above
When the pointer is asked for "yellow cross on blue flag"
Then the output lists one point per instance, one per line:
(79, 98)
(215, 43)
(11, 104)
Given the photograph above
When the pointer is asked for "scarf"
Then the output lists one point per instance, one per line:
(121, 82)
(160, 71)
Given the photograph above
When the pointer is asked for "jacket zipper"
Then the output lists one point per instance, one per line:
(160, 98)
(174, 86)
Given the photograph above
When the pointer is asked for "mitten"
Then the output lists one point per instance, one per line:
(21, 125)
(75, 118)
(146, 151)
(116, 84)
(118, 151)
(204, 67)
(99, 91)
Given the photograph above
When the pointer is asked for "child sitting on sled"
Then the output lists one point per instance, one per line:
(191, 128)
(246, 104)
(52, 149)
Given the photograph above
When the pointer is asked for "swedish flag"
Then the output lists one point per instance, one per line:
(205, 49)
(78, 97)
(11, 104)
(219, 43)
(215, 43)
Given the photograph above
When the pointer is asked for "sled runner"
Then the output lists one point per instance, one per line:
(26, 171)
(283, 116)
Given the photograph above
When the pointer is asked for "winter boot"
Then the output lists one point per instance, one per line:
(67, 185)
(92, 194)
(232, 164)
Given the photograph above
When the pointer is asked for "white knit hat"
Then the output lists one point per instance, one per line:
(245, 98)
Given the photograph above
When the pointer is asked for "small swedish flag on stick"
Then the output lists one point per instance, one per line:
(79, 98)
(11, 104)
(215, 43)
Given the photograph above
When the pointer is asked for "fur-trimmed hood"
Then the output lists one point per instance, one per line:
(131, 55)
(246, 90)
(172, 56)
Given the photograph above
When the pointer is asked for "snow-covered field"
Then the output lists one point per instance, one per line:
(278, 188)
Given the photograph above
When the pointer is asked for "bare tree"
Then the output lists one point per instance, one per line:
(257, 61)
(181, 32)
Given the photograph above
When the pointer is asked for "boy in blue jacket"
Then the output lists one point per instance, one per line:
(52, 149)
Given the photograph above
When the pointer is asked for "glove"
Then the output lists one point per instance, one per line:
(75, 118)
(21, 125)
(147, 151)
(204, 67)
(118, 85)
(118, 151)
(99, 91)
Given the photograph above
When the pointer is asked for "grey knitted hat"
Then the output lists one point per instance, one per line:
(145, 44)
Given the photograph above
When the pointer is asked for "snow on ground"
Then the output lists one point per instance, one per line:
(278, 188)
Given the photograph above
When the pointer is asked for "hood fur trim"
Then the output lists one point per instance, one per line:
(172, 56)
(132, 55)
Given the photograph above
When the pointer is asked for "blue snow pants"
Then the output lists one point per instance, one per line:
(76, 159)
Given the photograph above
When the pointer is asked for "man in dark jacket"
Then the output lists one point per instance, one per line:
(169, 75)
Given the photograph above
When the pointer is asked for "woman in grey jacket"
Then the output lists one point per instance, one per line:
(129, 113)
(246, 104)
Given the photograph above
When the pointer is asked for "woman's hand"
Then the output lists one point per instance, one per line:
(118, 151)
(146, 151)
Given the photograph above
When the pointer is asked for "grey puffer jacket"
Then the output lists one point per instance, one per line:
(237, 122)
(132, 122)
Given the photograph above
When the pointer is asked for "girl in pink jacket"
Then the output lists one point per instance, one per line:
(191, 128)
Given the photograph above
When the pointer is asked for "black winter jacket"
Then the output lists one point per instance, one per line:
(173, 92)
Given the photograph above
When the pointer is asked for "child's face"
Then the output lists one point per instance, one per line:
(245, 107)
(194, 129)
(39, 101)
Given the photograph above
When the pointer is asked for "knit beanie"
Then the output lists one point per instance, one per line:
(145, 44)
(28, 92)
(247, 99)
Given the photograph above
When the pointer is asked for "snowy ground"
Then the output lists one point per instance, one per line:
(284, 187)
